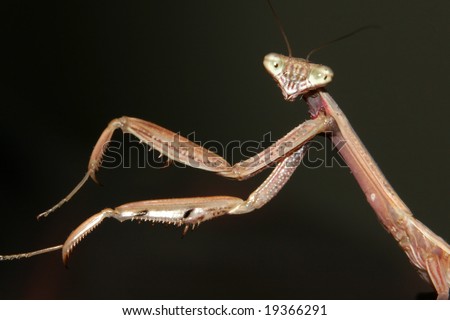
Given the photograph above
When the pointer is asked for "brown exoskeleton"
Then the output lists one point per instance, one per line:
(429, 254)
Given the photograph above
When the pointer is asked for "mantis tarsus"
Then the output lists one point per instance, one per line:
(326, 118)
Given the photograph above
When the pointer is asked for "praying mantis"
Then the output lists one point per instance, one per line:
(317, 100)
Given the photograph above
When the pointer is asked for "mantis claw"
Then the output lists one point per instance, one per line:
(184, 211)
(82, 231)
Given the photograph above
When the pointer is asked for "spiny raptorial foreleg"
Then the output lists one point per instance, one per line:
(180, 149)
(187, 212)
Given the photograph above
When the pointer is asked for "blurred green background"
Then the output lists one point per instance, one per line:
(69, 67)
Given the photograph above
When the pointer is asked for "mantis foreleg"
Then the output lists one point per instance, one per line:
(182, 211)
(181, 149)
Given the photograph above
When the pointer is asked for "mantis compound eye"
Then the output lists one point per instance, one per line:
(320, 75)
(274, 63)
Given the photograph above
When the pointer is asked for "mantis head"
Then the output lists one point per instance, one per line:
(296, 76)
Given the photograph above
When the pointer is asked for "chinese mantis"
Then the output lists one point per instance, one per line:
(427, 252)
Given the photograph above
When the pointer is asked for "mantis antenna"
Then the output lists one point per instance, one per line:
(322, 46)
(280, 25)
(348, 35)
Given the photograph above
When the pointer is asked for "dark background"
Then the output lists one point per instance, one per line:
(69, 67)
